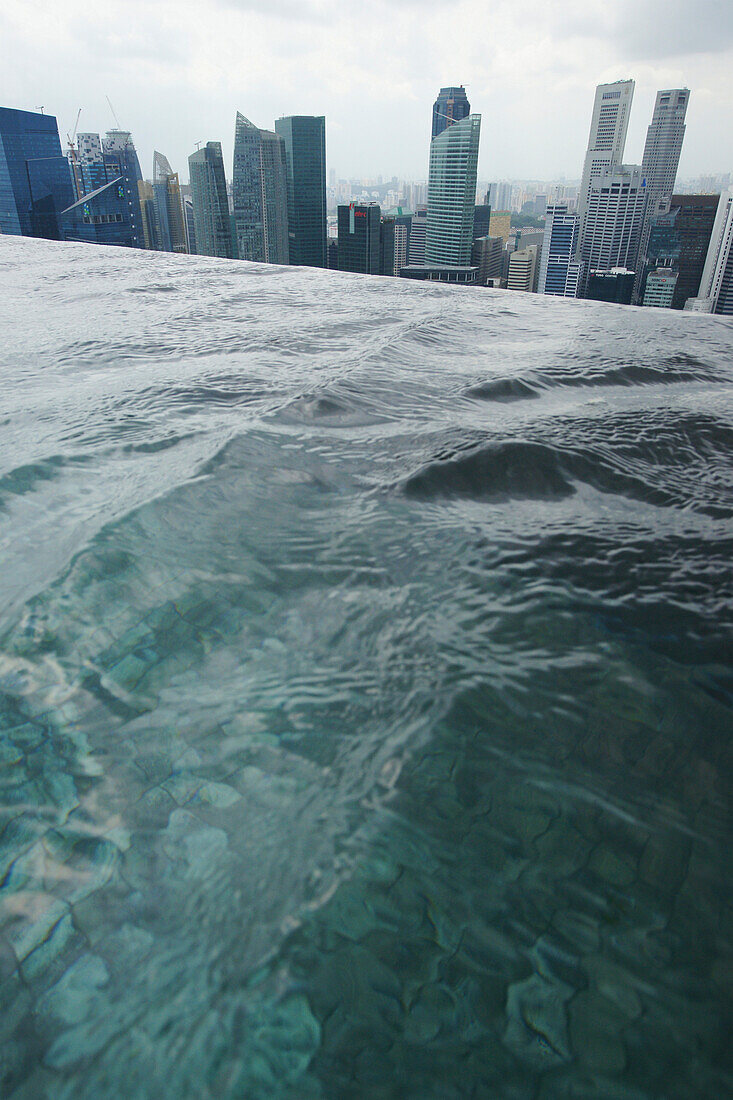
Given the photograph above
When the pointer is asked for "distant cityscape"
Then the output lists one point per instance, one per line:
(624, 233)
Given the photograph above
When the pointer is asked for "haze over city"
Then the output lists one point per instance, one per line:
(176, 73)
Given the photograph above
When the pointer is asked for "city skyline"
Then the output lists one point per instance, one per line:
(171, 77)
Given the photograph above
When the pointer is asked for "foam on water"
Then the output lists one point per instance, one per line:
(365, 687)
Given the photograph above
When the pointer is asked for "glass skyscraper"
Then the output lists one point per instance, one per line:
(260, 191)
(559, 269)
(305, 155)
(452, 193)
(359, 238)
(35, 178)
(451, 106)
(210, 203)
(168, 206)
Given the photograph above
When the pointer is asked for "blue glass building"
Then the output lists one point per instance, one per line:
(103, 217)
(451, 106)
(35, 180)
(210, 203)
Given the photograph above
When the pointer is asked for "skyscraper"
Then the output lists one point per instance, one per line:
(359, 238)
(607, 138)
(259, 185)
(523, 269)
(559, 269)
(101, 217)
(716, 285)
(305, 157)
(451, 106)
(35, 180)
(659, 164)
(452, 193)
(613, 219)
(210, 203)
(120, 157)
(679, 240)
(168, 206)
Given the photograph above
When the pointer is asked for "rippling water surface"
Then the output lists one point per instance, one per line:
(365, 688)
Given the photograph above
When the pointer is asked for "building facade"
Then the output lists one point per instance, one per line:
(716, 284)
(487, 255)
(612, 225)
(607, 138)
(452, 193)
(451, 106)
(560, 270)
(35, 180)
(305, 157)
(359, 238)
(170, 216)
(102, 217)
(659, 164)
(523, 268)
(260, 193)
(210, 203)
(659, 288)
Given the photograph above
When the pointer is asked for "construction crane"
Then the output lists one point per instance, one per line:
(71, 139)
(114, 116)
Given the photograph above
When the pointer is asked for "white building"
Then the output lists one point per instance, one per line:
(607, 138)
(659, 289)
(613, 220)
(523, 269)
(716, 284)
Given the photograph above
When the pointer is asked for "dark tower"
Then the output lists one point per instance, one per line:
(451, 106)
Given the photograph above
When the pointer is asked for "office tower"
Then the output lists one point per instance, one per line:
(120, 157)
(613, 285)
(487, 254)
(659, 288)
(481, 218)
(102, 217)
(418, 234)
(190, 224)
(452, 193)
(500, 224)
(559, 269)
(716, 285)
(35, 180)
(169, 212)
(679, 240)
(659, 164)
(540, 205)
(614, 215)
(394, 242)
(305, 158)
(523, 269)
(90, 170)
(333, 255)
(149, 217)
(451, 106)
(359, 237)
(210, 203)
(607, 139)
(260, 191)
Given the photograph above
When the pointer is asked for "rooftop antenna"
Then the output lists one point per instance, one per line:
(40, 109)
(114, 116)
(198, 145)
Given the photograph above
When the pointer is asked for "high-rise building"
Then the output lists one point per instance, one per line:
(168, 206)
(102, 217)
(305, 157)
(679, 240)
(452, 193)
(120, 157)
(523, 269)
(149, 217)
(359, 238)
(210, 203)
(613, 285)
(418, 233)
(487, 254)
(559, 269)
(716, 284)
(260, 191)
(659, 164)
(394, 241)
(613, 219)
(607, 138)
(190, 226)
(659, 287)
(481, 219)
(35, 180)
(451, 106)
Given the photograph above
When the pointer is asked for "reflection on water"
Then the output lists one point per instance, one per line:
(365, 690)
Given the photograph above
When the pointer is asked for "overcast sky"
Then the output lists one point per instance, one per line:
(177, 71)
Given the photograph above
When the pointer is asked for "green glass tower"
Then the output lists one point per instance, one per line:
(305, 155)
(210, 204)
(452, 193)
